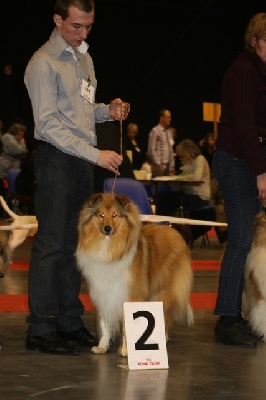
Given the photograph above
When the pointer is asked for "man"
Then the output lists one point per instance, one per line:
(160, 146)
(61, 84)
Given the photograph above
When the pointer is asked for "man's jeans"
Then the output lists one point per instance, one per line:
(64, 183)
(239, 191)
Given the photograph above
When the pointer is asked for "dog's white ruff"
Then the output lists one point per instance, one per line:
(112, 281)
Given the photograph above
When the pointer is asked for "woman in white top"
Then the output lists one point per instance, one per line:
(194, 167)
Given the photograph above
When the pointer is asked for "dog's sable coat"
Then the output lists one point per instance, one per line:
(18, 236)
(9, 240)
(254, 298)
(123, 260)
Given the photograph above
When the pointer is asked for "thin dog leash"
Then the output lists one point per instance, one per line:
(121, 139)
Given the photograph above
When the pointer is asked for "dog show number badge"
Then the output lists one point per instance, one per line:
(145, 335)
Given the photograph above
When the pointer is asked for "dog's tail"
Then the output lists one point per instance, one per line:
(6, 208)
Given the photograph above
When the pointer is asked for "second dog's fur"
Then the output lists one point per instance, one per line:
(254, 298)
(5, 252)
(10, 239)
(18, 236)
(125, 261)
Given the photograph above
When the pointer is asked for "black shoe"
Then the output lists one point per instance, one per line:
(81, 337)
(52, 344)
(234, 335)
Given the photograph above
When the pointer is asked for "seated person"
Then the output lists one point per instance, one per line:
(195, 168)
(13, 150)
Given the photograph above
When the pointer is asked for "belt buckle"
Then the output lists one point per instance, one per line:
(260, 139)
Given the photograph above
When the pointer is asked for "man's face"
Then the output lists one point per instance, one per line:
(166, 119)
(76, 27)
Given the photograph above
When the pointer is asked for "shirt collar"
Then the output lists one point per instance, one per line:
(61, 45)
(82, 49)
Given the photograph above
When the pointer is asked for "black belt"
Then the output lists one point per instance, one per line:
(262, 140)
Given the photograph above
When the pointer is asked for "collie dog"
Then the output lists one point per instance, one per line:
(123, 260)
(254, 296)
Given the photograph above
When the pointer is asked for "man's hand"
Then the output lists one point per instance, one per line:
(110, 160)
(119, 109)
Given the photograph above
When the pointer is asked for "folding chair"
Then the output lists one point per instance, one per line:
(133, 189)
(11, 197)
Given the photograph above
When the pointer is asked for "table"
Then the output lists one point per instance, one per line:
(178, 181)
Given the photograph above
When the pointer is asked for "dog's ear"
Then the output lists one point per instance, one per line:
(123, 200)
(94, 198)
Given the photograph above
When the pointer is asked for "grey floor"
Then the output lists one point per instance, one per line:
(199, 369)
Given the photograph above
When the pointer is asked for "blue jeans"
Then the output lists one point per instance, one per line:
(64, 183)
(239, 191)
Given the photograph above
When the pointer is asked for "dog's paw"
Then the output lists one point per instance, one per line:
(99, 350)
(122, 351)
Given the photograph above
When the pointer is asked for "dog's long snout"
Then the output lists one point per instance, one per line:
(107, 229)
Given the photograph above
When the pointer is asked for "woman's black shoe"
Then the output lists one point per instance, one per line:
(52, 344)
(235, 335)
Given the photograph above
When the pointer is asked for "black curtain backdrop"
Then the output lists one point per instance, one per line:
(153, 54)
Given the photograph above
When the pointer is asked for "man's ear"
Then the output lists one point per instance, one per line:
(57, 20)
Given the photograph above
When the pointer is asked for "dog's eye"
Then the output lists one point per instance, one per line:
(114, 215)
(101, 215)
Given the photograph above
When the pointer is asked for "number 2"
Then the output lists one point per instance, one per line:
(140, 343)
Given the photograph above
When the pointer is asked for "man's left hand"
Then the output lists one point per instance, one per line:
(119, 109)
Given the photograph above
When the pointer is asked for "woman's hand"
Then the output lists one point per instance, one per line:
(261, 185)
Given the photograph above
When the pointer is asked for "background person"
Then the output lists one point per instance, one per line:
(131, 144)
(239, 166)
(160, 146)
(13, 149)
(207, 147)
(26, 182)
(61, 83)
(195, 168)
